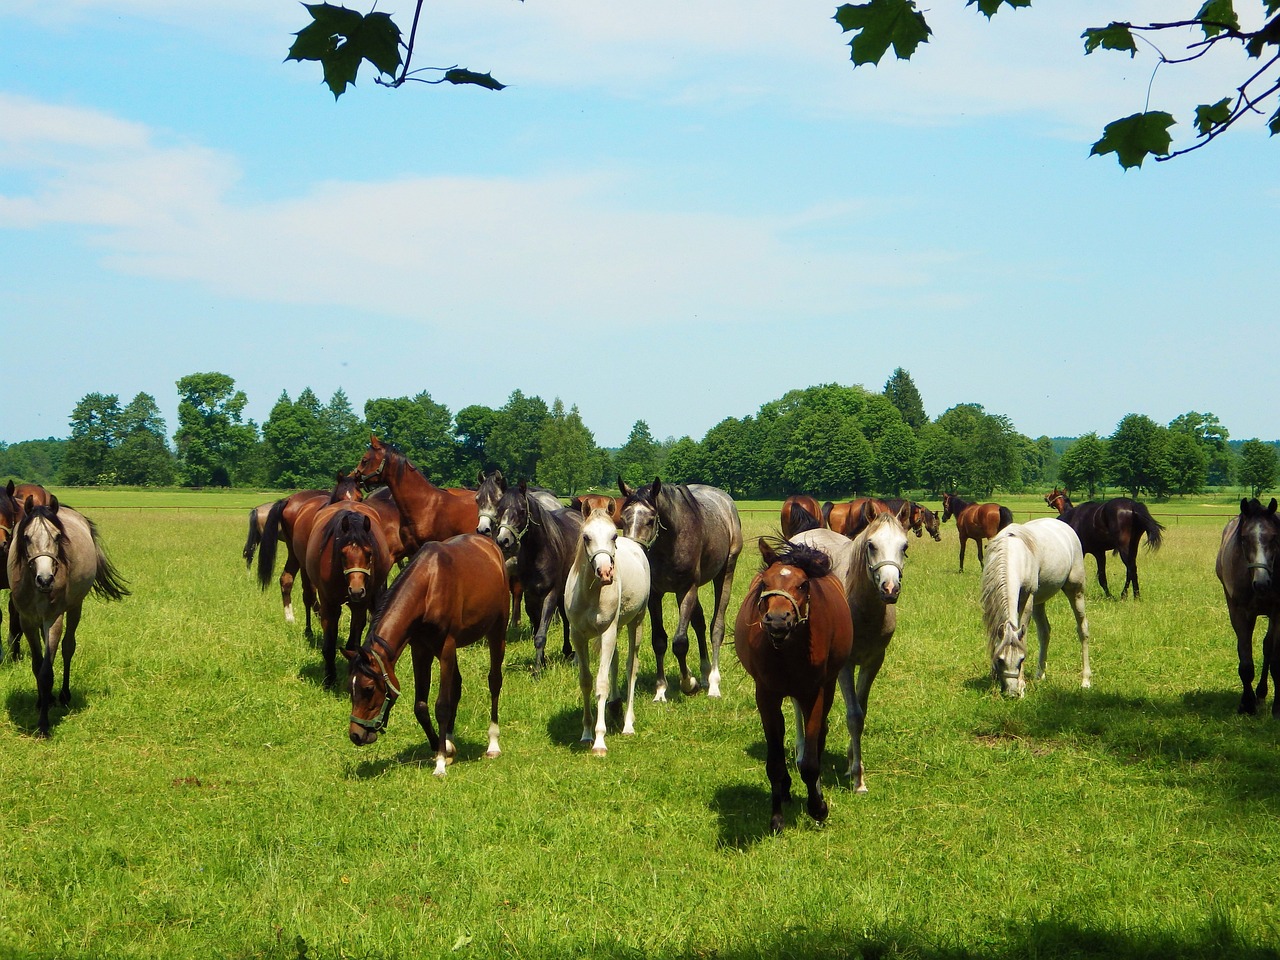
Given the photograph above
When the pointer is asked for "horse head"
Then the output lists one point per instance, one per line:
(1059, 500)
(10, 513)
(946, 506)
(374, 690)
(883, 544)
(42, 543)
(354, 544)
(640, 519)
(1008, 651)
(488, 496)
(1259, 536)
(931, 523)
(373, 465)
(600, 544)
(512, 519)
(783, 601)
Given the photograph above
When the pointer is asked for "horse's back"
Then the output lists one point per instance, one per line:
(1057, 550)
(470, 574)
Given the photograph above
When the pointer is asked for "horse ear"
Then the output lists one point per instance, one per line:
(868, 511)
(1244, 505)
(28, 503)
(904, 514)
(575, 503)
(1271, 507)
(366, 526)
(350, 654)
(656, 488)
(500, 480)
(11, 488)
(624, 488)
(53, 503)
(767, 552)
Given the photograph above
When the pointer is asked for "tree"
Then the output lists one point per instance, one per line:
(1212, 437)
(95, 428)
(515, 442)
(294, 444)
(1137, 456)
(879, 24)
(989, 450)
(34, 461)
(142, 456)
(1084, 464)
(902, 393)
(896, 460)
(1188, 463)
(345, 433)
(212, 438)
(828, 457)
(684, 462)
(1259, 465)
(730, 456)
(942, 460)
(636, 461)
(569, 461)
(472, 426)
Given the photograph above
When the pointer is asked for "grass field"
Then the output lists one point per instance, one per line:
(200, 797)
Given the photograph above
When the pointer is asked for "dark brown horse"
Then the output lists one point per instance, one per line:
(793, 635)
(487, 496)
(451, 595)
(1246, 566)
(974, 521)
(692, 535)
(800, 512)
(851, 518)
(921, 518)
(1105, 525)
(289, 521)
(10, 515)
(427, 512)
(347, 562)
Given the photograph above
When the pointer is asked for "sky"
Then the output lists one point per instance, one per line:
(674, 213)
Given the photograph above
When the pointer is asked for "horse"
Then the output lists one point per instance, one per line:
(793, 635)
(1246, 566)
(452, 594)
(33, 491)
(921, 517)
(289, 521)
(347, 562)
(1116, 524)
(10, 514)
(53, 564)
(1028, 564)
(487, 496)
(870, 566)
(692, 535)
(607, 589)
(849, 519)
(543, 543)
(975, 521)
(427, 512)
(800, 512)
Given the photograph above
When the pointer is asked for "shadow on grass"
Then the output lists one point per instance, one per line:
(421, 755)
(21, 706)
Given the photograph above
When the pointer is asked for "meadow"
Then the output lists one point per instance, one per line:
(200, 797)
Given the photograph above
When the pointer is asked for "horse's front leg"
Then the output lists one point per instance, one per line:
(422, 660)
(540, 616)
(680, 641)
(566, 647)
(634, 631)
(1042, 634)
(355, 630)
(1271, 663)
(769, 705)
(68, 651)
(982, 560)
(1129, 558)
(1082, 631)
(659, 644)
(44, 647)
(1243, 624)
(447, 705)
(584, 683)
(15, 631)
(497, 653)
(963, 541)
(606, 680)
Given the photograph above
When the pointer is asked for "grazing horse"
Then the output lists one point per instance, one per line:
(543, 543)
(347, 562)
(54, 562)
(1028, 564)
(427, 512)
(452, 594)
(1116, 524)
(289, 521)
(692, 535)
(793, 635)
(870, 567)
(800, 512)
(921, 517)
(607, 589)
(975, 521)
(1246, 565)
(851, 518)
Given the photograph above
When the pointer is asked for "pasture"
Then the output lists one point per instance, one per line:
(200, 797)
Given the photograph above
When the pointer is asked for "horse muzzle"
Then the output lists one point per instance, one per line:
(778, 625)
(362, 737)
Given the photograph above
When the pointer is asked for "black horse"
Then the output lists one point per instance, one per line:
(693, 536)
(1117, 524)
(544, 543)
(1246, 565)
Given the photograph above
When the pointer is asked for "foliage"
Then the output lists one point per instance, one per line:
(1188, 463)
(1259, 466)
(34, 461)
(879, 24)
(637, 460)
(95, 422)
(113, 445)
(1137, 457)
(1214, 440)
(986, 454)
(569, 461)
(212, 438)
(422, 430)
(683, 462)
(1084, 465)
(896, 460)
(902, 393)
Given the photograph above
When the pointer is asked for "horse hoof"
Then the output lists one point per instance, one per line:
(64, 699)
(775, 824)
(819, 811)
(599, 751)
(491, 754)
(1247, 707)
(690, 686)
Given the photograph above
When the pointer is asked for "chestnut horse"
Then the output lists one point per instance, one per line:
(1246, 565)
(922, 519)
(589, 502)
(452, 594)
(800, 512)
(793, 635)
(10, 515)
(851, 518)
(347, 562)
(427, 512)
(1116, 524)
(975, 521)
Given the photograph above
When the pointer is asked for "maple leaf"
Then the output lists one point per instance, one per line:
(1213, 115)
(990, 7)
(881, 24)
(340, 39)
(1114, 36)
(1135, 137)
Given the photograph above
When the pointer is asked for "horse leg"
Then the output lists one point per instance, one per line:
(309, 600)
(1129, 557)
(814, 734)
(634, 630)
(497, 653)
(698, 622)
(769, 706)
(723, 587)
(584, 683)
(659, 643)
(68, 651)
(1042, 634)
(422, 659)
(329, 642)
(962, 543)
(982, 561)
(542, 623)
(1270, 662)
(15, 631)
(1243, 624)
(680, 642)
(287, 576)
(447, 705)
(1101, 557)
(44, 647)
(1082, 630)
(606, 677)
(857, 694)
(566, 647)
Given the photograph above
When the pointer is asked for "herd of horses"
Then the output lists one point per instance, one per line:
(819, 613)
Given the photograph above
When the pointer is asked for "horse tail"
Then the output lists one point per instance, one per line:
(252, 541)
(826, 513)
(800, 519)
(107, 582)
(1149, 525)
(267, 546)
(1006, 517)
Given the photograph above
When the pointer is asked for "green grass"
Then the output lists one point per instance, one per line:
(200, 797)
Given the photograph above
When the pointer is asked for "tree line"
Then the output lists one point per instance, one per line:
(830, 440)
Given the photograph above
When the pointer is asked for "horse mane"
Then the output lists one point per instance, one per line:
(811, 561)
(995, 584)
(359, 536)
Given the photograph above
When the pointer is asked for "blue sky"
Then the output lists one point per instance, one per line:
(676, 212)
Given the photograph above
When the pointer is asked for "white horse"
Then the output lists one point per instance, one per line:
(870, 567)
(1027, 564)
(607, 588)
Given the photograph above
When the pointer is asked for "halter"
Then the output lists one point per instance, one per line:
(800, 618)
(657, 531)
(379, 723)
(366, 477)
(518, 534)
(347, 571)
(886, 562)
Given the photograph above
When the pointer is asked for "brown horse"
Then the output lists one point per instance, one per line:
(921, 518)
(1246, 566)
(427, 512)
(10, 515)
(1116, 524)
(289, 521)
(793, 635)
(451, 595)
(347, 562)
(800, 512)
(851, 518)
(598, 501)
(975, 521)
